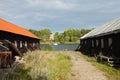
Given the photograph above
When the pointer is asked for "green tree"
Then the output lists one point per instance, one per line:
(61, 38)
(84, 31)
(35, 32)
(69, 35)
(56, 36)
(43, 34)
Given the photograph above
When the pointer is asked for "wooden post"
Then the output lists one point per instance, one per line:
(6, 58)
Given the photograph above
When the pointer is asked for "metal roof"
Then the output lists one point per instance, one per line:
(106, 29)
(9, 27)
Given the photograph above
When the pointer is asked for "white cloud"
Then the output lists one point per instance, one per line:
(50, 4)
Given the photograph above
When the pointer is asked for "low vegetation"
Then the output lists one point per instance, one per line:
(53, 65)
(110, 72)
(43, 65)
(47, 48)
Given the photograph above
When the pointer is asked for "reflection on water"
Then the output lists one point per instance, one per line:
(70, 47)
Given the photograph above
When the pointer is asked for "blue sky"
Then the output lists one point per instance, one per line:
(59, 15)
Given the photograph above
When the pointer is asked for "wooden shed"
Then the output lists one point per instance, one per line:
(20, 38)
(104, 39)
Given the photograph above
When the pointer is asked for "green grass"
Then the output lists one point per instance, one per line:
(72, 42)
(110, 72)
(44, 65)
(47, 48)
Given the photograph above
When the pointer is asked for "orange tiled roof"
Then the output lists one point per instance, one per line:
(9, 27)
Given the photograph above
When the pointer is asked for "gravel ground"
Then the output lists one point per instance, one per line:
(83, 70)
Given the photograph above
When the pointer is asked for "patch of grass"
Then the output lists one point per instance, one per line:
(110, 72)
(19, 74)
(73, 74)
(47, 48)
(62, 65)
(44, 65)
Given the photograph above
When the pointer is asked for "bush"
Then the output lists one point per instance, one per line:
(43, 65)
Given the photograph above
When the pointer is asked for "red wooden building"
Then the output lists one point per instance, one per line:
(20, 39)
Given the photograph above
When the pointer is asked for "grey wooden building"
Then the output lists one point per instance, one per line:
(105, 39)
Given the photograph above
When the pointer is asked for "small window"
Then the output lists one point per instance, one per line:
(92, 43)
(20, 44)
(85, 42)
(15, 42)
(102, 43)
(109, 41)
(97, 42)
(33, 44)
(26, 43)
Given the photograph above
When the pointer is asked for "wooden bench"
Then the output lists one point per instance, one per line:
(111, 61)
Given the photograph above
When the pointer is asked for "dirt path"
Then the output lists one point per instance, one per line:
(83, 70)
